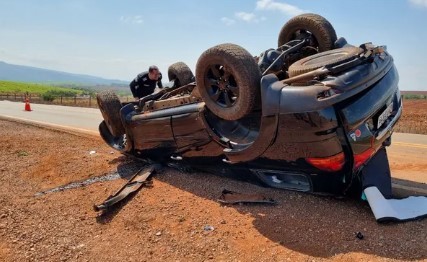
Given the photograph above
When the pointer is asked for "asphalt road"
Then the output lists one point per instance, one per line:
(67, 116)
(407, 154)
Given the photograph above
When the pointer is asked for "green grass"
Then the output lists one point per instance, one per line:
(20, 88)
(414, 96)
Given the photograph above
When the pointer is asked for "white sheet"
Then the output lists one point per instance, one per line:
(395, 209)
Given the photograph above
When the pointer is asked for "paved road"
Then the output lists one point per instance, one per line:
(407, 154)
(75, 117)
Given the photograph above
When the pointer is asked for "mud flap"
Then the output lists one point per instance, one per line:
(377, 174)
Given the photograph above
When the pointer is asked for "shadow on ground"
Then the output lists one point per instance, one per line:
(313, 225)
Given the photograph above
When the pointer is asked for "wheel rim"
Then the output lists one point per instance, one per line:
(221, 86)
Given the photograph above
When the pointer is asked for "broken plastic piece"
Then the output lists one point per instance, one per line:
(230, 197)
(410, 208)
(136, 181)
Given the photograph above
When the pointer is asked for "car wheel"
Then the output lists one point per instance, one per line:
(323, 34)
(109, 105)
(181, 73)
(319, 60)
(228, 80)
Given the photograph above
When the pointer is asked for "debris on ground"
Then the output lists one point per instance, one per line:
(135, 183)
(230, 197)
(359, 235)
(410, 208)
(209, 228)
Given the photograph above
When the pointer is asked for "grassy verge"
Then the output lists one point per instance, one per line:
(21, 88)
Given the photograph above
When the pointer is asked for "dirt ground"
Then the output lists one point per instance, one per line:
(414, 117)
(169, 221)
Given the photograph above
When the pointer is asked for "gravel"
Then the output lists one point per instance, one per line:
(178, 219)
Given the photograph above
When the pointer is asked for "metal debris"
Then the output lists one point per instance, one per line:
(135, 183)
(230, 197)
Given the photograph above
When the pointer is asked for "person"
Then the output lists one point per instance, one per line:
(145, 82)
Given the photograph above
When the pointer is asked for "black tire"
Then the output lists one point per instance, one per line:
(323, 32)
(109, 105)
(228, 80)
(181, 73)
(319, 60)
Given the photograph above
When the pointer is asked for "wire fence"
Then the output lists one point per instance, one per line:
(77, 100)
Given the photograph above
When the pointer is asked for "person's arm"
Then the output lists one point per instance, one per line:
(132, 86)
(159, 82)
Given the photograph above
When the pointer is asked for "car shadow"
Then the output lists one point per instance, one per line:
(317, 226)
(403, 188)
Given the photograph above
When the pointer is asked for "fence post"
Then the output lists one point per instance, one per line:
(90, 101)
(75, 100)
(61, 99)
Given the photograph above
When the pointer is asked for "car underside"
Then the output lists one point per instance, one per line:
(313, 115)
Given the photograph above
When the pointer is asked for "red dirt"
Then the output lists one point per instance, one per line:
(414, 117)
(166, 222)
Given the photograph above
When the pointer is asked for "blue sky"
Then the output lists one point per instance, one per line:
(119, 39)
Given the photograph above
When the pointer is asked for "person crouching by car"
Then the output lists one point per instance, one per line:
(145, 83)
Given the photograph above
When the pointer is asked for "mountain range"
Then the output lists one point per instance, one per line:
(20, 73)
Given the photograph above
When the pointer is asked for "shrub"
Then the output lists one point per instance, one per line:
(48, 97)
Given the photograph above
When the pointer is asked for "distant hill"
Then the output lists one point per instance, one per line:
(19, 73)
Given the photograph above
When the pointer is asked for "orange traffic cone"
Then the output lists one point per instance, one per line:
(27, 105)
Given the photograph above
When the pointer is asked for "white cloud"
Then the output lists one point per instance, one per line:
(285, 8)
(137, 19)
(227, 21)
(422, 3)
(248, 17)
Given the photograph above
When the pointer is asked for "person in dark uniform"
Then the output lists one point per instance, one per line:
(145, 83)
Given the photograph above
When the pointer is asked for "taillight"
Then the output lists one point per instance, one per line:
(332, 163)
(360, 159)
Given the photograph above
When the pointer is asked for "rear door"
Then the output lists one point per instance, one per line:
(369, 117)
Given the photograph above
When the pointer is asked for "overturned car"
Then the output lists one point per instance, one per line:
(314, 114)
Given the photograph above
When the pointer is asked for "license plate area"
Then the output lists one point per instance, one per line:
(384, 115)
